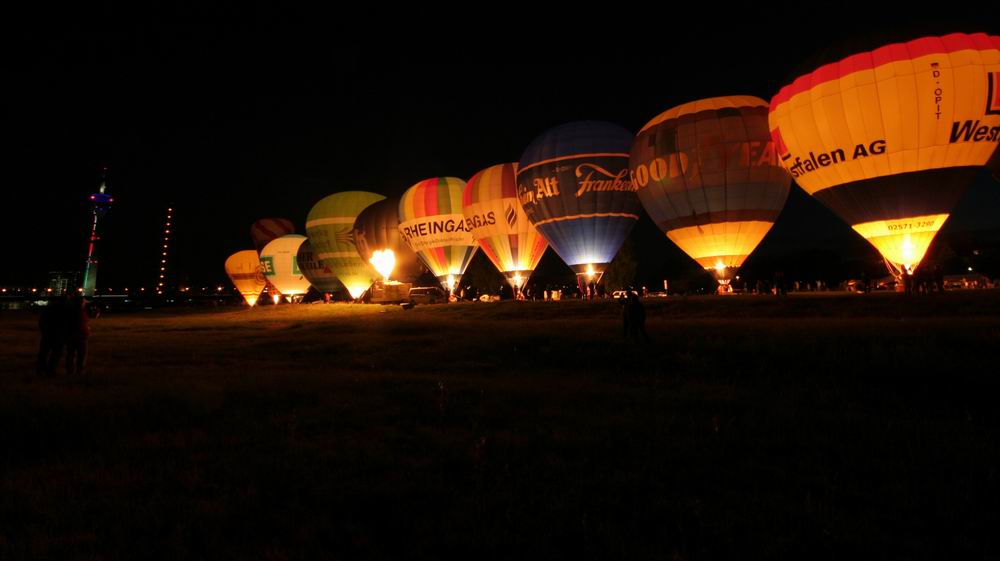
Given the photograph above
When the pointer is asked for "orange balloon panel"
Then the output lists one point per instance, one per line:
(494, 215)
(890, 139)
(243, 268)
(723, 244)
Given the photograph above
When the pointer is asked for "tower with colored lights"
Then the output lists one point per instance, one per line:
(100, 202)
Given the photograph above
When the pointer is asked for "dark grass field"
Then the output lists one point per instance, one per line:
(813, 427)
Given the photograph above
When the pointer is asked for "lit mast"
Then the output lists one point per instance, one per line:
(100, 202)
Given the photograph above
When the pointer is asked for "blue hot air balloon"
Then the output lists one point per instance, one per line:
(573, 183)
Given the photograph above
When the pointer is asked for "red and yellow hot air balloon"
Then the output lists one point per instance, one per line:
(432, 224)
(494, 216)
(890, 138)
(707, 174)
(267, 229)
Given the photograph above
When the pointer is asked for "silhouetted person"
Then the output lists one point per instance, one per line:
(939, 278)
(779, 284)
(52, 324)
(907, 283)
(626, 320)
(635, 315)
(77, 333)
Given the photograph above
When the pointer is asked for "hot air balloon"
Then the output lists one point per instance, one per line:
(377, 228)
(267, 229)
(708, 176)
(330, 227)
(890, 138)
(494, 216)
(574, 186)
(319, 275)
(280, 267)
(432, 224)
(243, 268)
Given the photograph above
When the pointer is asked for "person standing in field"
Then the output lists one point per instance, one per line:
(626, 319)
(77, 327)
(634, 316)
(52, 326)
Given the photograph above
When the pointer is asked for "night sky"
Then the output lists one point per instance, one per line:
(232, 119)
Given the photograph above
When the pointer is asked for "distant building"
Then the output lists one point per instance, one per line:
(64, 281)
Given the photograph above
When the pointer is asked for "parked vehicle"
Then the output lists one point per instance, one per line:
(427, 295)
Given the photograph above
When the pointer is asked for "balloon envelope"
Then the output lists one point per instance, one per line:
(708, 176)
(574, 186)
(319, 275)
(280, 267)
(377, 227)
(496, 220)
(432, 224)
(267, 229)
(243, 268)
(889, 139)
(330, 226)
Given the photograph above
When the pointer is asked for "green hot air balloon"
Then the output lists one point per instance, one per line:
(329, 226)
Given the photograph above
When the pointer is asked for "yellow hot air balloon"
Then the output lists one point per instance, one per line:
(494, 216)
(432, 224)
(889, 139)
(279, 265)
(708, 176)
(243, 268)
(330, 224)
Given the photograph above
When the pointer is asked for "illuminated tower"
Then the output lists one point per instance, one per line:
(100, 202)
(167, 228)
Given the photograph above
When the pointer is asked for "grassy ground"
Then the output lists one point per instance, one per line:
(811, 427)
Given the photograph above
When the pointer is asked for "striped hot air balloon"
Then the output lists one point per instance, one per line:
(243, 269)
(494, 216)
(267, 229)
(377, 228)
(574, 186)
(890, 138)
(330, 226)
(319, 275)
(278, 262)
(432, 224)
(708, 176)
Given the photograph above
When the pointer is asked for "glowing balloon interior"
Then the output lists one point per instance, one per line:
(432, 224)
(377, 227)
(708, 176)
(574, 186)
(384, 261)
(278, 262)
(330, 226)
(243, 269)
(890, 139)
(496, 220)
